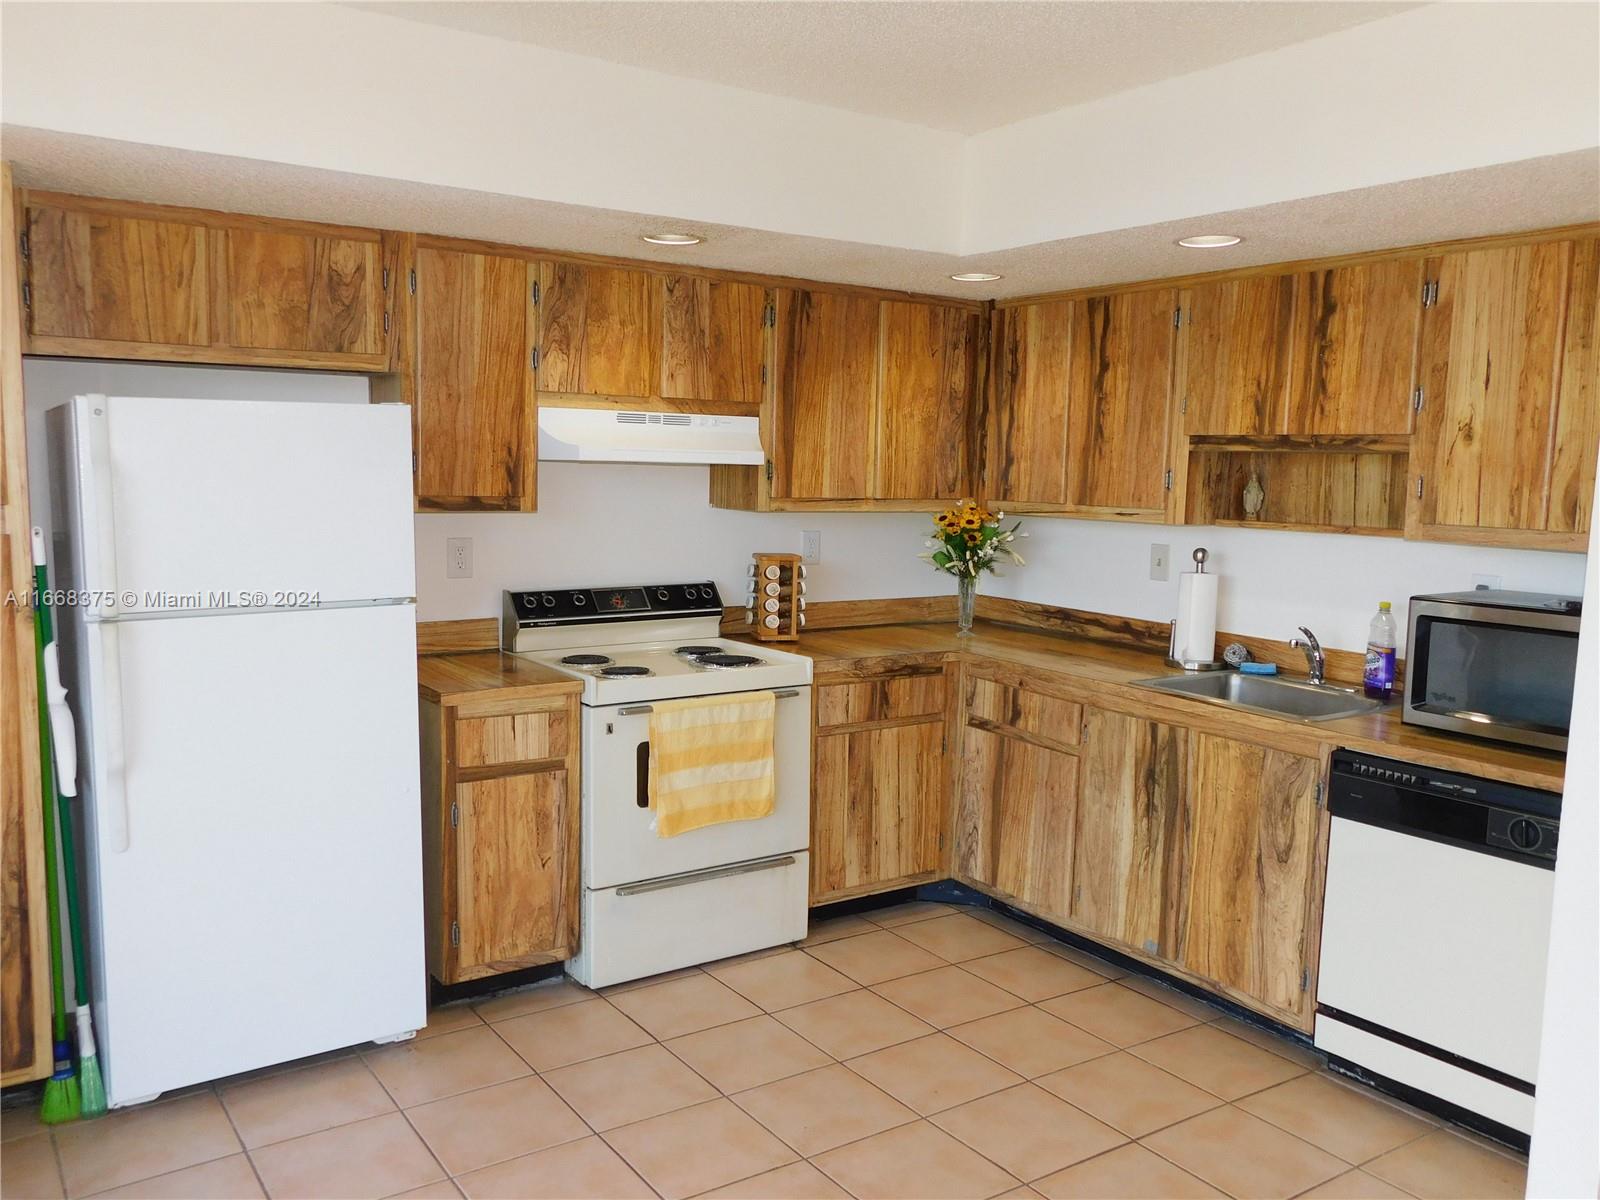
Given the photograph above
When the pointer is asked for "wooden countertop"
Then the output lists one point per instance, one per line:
(1107, 672)
(451, 678)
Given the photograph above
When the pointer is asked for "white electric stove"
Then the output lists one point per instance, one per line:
(653, 904)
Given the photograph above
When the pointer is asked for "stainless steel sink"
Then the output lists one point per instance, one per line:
(1267, 694)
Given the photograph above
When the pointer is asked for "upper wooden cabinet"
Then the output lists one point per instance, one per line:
(1236, 354)
(824, 407)
(713, 342)
(275, 289)
(1353, 348)
(596, 330)
(1505, 441)
(474, 408)
(112, 279)
(1082, 396)
(925, 374)
(1026, 432)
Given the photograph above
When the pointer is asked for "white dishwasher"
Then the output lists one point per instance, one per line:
(1436, 925)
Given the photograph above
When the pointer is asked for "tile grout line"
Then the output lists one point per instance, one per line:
(244, 1149)
(417, 1133)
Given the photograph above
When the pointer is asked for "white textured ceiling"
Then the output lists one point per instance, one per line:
(1554, 190)
(961, 65)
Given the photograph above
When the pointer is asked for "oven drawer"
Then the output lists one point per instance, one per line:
(634, 931)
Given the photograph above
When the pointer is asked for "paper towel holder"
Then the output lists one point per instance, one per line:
(1172, 660)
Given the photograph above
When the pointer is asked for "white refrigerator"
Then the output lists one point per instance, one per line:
(238, 634)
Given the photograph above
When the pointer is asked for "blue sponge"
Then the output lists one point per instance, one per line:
(1258, 668)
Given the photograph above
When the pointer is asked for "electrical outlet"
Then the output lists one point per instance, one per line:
(1486, 581)
(458, 558)
(811, 546)
(1160, 560)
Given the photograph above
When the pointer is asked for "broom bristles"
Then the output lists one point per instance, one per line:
(91, 1086)
(61, 1102)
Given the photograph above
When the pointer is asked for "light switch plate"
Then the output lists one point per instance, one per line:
(1160, 560)
(811, 546)
(458, 558)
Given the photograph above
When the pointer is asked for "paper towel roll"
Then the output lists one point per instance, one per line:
(1196, 640)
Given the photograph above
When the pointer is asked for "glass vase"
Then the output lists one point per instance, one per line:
(966, 603)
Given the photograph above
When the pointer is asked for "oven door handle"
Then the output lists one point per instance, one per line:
(658, 885)
(633, 710)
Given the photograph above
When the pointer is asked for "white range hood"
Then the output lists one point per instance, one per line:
(604, 435)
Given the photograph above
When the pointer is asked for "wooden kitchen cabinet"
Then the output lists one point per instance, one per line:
(1026, 433)
(1251, 872)
(115, 279)
(1236, 354)
(713, 343)
(823, 409)
(925, 387)
(1017, 806)
(1503, 328)
(879, 781)
(1129, 853)
(500, 812)
(1353, 348)
(474, 408)
(596, 330)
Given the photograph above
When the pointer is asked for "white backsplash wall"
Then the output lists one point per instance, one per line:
(1272, 581)
(602, 523)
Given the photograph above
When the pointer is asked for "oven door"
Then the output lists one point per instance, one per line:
(620, 845)
(1491, 673)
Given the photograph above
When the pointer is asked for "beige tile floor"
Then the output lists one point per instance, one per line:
(919, 1052)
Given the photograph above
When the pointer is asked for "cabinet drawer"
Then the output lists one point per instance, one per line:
(1025, 710)
(891, 698)
(513, 737)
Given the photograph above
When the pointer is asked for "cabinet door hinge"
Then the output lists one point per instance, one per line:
(1419, 487)
(763, 373)
(769, 316)
(411, 280)
(386, 279)
(27, 296)
(1416, 400)
(1319, 793)
(1305, 978)
(1183, 405)
(413, 464)
(385, 324)
(1430, 293)
(769, 470)
(533, 292)
(455, 933)
(533, 358)
(455, 814)
(1177, 318)
(24, 244)
(1166, 479)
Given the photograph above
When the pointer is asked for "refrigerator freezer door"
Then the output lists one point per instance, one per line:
(255, 872)
(209, 504)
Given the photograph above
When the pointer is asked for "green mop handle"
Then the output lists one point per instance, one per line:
(47, 779)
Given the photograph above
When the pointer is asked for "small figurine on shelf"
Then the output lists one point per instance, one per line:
(1254, 497)
(968, 540)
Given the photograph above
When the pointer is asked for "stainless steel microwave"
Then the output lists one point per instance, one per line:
(1493, 664)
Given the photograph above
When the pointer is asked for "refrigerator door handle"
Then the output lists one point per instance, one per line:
(100, 530)
(112, 793)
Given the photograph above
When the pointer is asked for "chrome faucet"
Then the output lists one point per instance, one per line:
(1315, 658)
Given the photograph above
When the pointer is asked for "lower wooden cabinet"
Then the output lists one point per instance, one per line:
(1198, 852)
(500, 811)
(879, 782)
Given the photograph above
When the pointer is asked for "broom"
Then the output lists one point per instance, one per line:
(63, 733)
(62, 1101)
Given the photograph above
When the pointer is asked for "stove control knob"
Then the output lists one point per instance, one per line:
(1525, 834)
(548, 599)
(579, 599)
(662, 593)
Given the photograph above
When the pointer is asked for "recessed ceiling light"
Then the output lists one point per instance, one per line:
(975, 277)
(1209, 241)
(672, 239)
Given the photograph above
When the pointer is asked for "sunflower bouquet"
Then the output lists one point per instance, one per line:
(969, 539)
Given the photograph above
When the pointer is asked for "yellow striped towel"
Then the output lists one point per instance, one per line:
(711, 761)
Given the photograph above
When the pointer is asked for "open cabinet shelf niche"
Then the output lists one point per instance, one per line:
(1344, 489)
